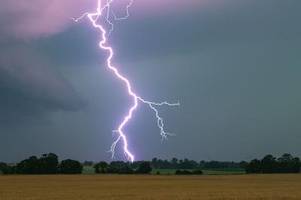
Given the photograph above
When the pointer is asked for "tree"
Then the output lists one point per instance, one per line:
(243, 164)
(288, 164)
(3, 168)
(28, 166)
(174, 163)
(187, 164)
(253, 167)
(144, 168)
(48, 164)
(155, 163)
(125, 169)
(6, 169)
(296, 165)
(269, 164)
(101, 167)
(119, 167)
(70, 167)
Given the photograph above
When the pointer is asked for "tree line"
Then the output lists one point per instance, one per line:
(270, 164)
(138, 167)
(46, 164)
(120, 167)
(49, 164)
(175, 163)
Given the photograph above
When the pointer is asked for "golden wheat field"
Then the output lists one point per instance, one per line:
(93, 187)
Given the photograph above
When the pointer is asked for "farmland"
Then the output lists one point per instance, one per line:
(151, 187)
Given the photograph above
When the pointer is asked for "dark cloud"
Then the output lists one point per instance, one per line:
(29, 86)
(208, 26)
(233, 64)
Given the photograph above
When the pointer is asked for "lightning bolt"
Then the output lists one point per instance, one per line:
(106, 11)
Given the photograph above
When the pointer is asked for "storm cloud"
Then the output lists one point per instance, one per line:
(28, 84)
(233, 65)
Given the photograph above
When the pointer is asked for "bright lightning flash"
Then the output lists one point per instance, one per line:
(106, 11)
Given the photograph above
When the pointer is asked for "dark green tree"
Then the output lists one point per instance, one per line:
(70, 167)
(174, 163)
(101, 167)
(253, 167)
(6, 169)
(48, 164)
(28, 166)
(269, 164)
(144, 168)
(119, 167)
(288, 164)
(155, 163)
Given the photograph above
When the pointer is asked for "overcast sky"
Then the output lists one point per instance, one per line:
(234, 65)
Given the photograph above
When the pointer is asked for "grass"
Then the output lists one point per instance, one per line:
(88, 170)
(134, 187)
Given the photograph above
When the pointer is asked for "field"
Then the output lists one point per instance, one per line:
(134, 187)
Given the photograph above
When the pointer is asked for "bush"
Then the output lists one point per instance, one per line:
(187, 172)
(197, 172)
(183, 172)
